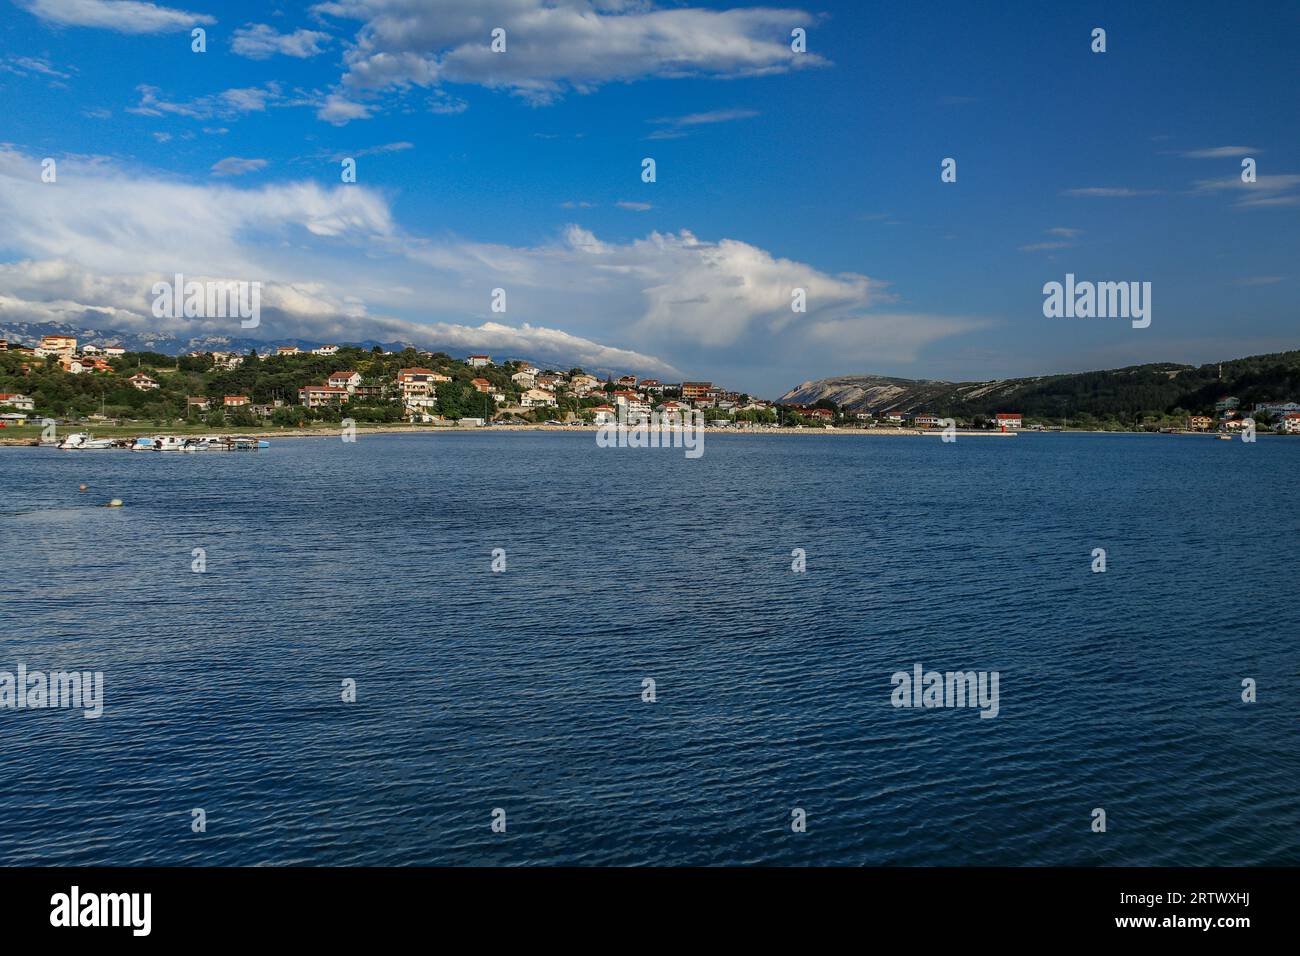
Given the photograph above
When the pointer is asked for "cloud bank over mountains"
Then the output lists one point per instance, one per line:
(335, 264)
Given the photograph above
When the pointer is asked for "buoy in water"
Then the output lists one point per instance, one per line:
(115, 503)
(81, 487)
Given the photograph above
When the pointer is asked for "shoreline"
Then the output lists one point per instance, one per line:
(33, 440)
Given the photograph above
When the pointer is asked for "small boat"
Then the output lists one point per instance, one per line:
(1224, 437)
(247, 444)
(91, 444)
(74, 440)
(143, 444)
(172, 443)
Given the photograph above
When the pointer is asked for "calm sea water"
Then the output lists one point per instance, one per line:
(522, 690)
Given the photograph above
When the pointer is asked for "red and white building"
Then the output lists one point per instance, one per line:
(316, 396)
(1010, 420)
(418, 382)
(347, 379)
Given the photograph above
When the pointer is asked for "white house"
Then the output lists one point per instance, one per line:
(478, 361)
(346, 379)
(1010, 419)
(537, 398)
(142, 382)
(325, 350)
(1290, 423)
(18, 400)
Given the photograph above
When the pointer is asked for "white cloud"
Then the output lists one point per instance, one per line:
(555, 48)
(674, 127)
(339, 109)
(225, 105)
(1220, 152)
(259, 42)
(123, 16)
(634, 206)
(1108, 192)
(235, 166)
(335, 265)
(1273, 190)
(28, 65)
(1065, 237)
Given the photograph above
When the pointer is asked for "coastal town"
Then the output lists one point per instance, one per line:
(59, 379)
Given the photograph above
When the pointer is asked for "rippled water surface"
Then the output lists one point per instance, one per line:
(522, 690)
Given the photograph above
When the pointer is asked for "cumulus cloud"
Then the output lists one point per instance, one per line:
(336, 265)
(258, 41)
(123, 16)
(555, 48)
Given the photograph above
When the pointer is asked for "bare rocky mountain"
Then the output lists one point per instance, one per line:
(880, 393)
(1116, 394)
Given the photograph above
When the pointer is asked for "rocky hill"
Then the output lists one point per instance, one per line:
(1122, 393)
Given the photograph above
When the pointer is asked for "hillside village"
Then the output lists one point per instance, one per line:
(290, 386)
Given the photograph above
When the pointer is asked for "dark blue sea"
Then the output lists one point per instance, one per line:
(522, 690)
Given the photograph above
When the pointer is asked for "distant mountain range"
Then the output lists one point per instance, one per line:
(165, 343)
(1122, 394)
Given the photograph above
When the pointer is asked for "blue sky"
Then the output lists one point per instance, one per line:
(521, 170)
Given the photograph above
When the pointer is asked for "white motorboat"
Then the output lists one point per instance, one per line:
(172, 443)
